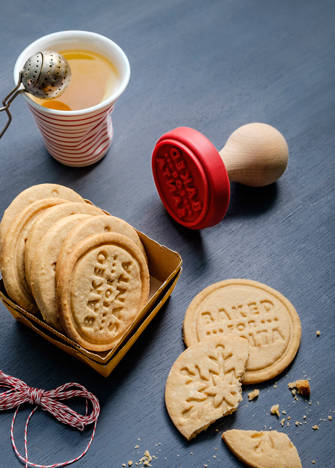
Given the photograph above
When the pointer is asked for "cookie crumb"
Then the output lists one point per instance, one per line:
(313, 462)
(318, 333)
(254, 394)
(316, 427)
(330, 418)
(284, 412)
(302, 386)
(282, 422)
(275, 410)
(130, 463)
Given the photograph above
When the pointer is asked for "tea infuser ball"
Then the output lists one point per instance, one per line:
(193, 178)
(45, 75)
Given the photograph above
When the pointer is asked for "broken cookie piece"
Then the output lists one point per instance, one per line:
(275, 410)
(254, 394)
(204, 383)
(302, 387)
(268, 449)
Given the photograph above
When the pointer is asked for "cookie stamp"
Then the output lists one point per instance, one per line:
(252, 311)
(193, 179)
(204, 383)
(101, 288)
(266, 449)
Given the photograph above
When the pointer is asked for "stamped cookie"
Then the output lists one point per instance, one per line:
(102, 287)
(250, 310)
(43, 276)
(46, 220)
(13, 252)
(99, 224)
(204, 383)
(30, 195)
(268, 449)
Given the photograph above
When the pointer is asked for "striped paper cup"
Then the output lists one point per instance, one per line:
(82, 137)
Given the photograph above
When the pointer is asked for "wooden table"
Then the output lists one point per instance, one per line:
(213, 66)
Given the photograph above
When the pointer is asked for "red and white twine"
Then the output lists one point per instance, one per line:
(20, 393)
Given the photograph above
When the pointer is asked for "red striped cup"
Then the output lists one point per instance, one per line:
(81, 137)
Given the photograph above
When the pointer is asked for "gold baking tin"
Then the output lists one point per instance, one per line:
(164, 268)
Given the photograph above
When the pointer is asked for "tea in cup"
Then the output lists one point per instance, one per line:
(76, 126)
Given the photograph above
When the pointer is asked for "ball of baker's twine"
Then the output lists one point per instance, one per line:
(19, 393)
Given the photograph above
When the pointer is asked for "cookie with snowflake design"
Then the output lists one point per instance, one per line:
(204, 383)
(266, 449)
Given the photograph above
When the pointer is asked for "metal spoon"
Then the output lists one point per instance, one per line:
(45, 75)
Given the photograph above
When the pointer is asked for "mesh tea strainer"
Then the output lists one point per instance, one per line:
(45, 75)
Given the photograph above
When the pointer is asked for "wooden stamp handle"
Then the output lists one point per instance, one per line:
(255, 155)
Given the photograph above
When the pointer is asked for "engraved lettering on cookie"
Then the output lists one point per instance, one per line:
(108, 293)
(95, 285)
(89, 321)
(257, 321)
(114, 326)
(120, 294)
(276, 335)
(102, 256)
(92, 304)
(211, 385)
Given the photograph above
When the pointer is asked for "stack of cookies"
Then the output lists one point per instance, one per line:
(84, 271)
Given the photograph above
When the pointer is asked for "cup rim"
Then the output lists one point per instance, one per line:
(102, 105)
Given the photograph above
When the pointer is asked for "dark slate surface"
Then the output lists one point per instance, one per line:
(213, 66)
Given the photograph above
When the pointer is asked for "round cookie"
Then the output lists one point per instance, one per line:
(46, 220)
(13, 252)
(43, 276)
(32, 194)
(102, 287)
(204, 383)
(99, 224)
(253, 311)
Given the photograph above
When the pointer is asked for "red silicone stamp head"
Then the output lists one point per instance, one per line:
(191, 178)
